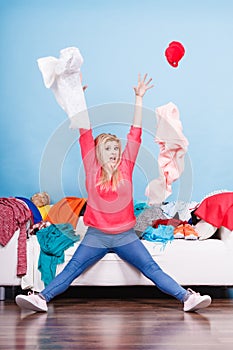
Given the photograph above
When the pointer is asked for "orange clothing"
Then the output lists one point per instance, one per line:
(67, 210)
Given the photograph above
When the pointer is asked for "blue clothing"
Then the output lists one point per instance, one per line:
(34, 210)
(133, 252)
(162, 234)
(139, 207)
(98, 239)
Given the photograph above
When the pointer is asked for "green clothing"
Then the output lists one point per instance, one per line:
(54, 240)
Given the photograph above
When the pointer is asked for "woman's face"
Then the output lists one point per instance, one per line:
(111, 153)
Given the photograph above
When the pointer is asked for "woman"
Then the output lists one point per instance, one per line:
(110, 216)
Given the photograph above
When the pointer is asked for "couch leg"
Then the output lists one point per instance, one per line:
(2, 293)
(230, 292)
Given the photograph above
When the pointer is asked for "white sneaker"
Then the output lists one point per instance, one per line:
(196, 301)
(31, 302)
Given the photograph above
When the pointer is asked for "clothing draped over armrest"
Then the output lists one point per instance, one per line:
(217, 210)
(14, 214)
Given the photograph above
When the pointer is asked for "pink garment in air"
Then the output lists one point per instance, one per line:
(173, 146)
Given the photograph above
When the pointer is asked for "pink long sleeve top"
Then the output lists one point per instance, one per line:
(110, 211)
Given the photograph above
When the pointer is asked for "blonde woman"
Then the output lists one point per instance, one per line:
(110, 216)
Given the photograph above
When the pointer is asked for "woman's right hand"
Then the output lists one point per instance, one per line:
(83, 86)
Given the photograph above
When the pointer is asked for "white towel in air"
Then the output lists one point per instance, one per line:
(62, 75)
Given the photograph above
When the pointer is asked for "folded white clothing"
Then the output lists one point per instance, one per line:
(204, 230)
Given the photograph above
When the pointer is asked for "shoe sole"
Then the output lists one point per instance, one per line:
(26, 304)
(191, 237)
(203, 304)
(178, 236)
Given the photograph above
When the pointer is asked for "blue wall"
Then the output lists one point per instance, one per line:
(117, 40)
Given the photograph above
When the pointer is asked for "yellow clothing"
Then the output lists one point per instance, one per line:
(44, 210)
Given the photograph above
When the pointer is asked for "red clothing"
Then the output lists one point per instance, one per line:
(110, 211)
(14, 214)
(217, 210)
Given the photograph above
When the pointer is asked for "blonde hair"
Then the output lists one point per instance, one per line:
(108, 178)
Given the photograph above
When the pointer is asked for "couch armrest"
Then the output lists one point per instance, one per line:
(227, 237)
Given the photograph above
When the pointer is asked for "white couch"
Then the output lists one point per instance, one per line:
(201, 262)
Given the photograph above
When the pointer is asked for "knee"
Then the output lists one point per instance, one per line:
(72, 266)
(151, 268)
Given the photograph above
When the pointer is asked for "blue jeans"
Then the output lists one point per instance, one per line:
(96, 245)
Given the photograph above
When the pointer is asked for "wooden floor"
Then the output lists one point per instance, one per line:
(117, 324)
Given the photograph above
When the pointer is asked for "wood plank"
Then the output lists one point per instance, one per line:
(117, 324)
